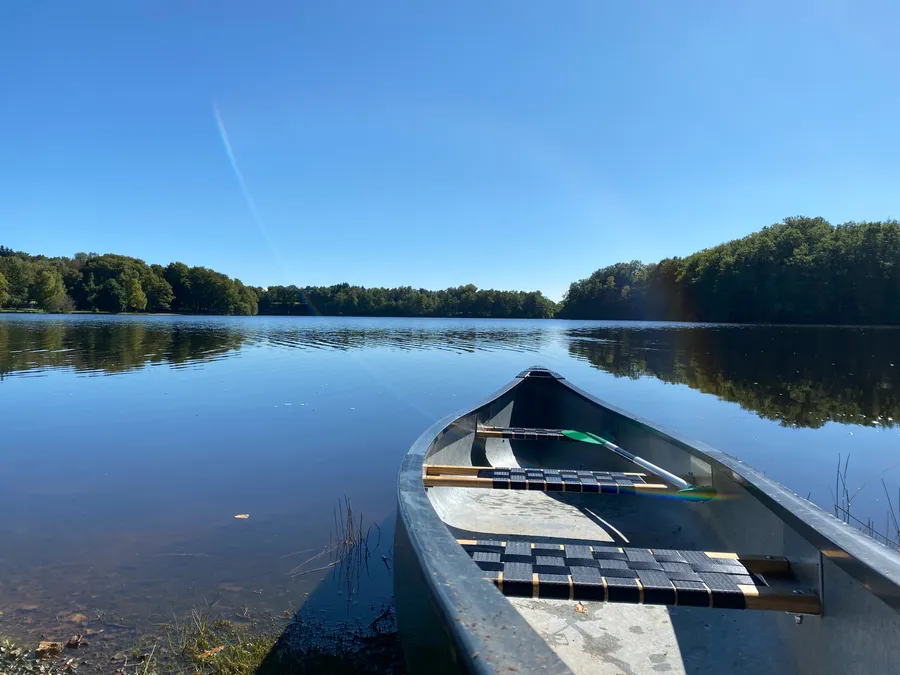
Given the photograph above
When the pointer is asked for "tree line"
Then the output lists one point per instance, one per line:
(802, 270)
(117, 283)
(462, 301)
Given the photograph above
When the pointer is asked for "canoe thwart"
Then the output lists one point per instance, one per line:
(545, 480)
(458, 470)
(528, 434)
(641, 576)
(521, 433)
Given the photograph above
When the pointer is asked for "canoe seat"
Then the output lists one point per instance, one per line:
(547, 480)
(522, 434)
(641, 576)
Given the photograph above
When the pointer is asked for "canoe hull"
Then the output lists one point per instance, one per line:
(427, 641)
(445, 610)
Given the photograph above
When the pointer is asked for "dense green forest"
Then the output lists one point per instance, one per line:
(467, 301)
(803, 270)
(116, 283)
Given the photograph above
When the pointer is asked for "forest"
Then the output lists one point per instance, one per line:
(117, 283)
(802, 270)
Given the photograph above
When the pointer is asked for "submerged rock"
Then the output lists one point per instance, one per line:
(46, 649)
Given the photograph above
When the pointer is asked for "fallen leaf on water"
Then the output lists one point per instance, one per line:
(210, 652)
(581, 609)
(242, 516)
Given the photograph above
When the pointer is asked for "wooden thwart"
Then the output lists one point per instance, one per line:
(795, 600)
(474, 482)
(452, 470)
(765, 598)
(522, 434)
(537, 479)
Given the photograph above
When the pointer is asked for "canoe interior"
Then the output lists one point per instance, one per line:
(857, 632)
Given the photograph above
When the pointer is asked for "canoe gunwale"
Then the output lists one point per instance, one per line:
(478, 619)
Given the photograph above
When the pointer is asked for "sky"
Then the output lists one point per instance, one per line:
(515, 144)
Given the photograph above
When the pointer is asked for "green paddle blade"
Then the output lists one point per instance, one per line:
(583, 436)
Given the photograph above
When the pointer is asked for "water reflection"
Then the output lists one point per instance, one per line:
(109, 345)
(460, 339)
(801, 376)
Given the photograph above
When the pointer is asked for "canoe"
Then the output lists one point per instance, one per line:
(545, 531)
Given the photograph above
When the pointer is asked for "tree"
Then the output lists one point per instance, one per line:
(4, 290)
(111, 297)
(177, 274)
(159, 292)
(49, 291)
(19, 275)
(134, 294)
(90, 292)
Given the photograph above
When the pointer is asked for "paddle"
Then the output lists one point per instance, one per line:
(673, 480)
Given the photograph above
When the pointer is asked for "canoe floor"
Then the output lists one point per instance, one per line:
(616, 638)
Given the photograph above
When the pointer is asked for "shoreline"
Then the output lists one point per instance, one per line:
(624, 322)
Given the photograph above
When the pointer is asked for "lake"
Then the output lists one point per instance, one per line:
(129, 444)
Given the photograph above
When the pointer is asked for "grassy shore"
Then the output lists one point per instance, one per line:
(206, 642)
(211, 640)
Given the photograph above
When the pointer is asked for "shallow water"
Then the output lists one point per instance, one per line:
(128, 444)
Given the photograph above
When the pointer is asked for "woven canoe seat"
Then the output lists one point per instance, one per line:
(641, 576)
(561, 480)
(521, 433)
(546, 480)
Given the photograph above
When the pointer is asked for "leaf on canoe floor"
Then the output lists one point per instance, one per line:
(581, 609)
(242, 516)
(210, 652)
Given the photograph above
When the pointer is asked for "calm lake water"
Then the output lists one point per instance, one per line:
(128, 444)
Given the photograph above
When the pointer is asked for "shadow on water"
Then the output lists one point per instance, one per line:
(800, 376)
(347, 625)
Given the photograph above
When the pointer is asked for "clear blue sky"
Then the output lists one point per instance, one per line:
(514, 144)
